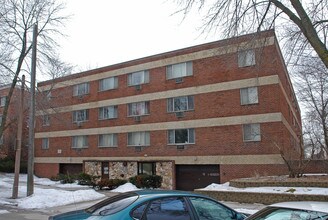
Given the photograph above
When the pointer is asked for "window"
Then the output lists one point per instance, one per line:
(138, 108)
(208, 209)
(178, 104)
(139, 138)
(108, 83)
(81, 115)
(181, 136)
(80, 141)
(3, 101)
(107, 140)
(246, 58)
(249, 96)
(179, 70)
(81, 89)
(168, 208)
(45, 143)
(148, 168)
(138, 78)
(107, 112)
(45, 120)
(252, 132)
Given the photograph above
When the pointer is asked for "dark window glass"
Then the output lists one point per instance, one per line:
(113, 204)
(147, 168)
(208, 209)
(181, 136)
(168, 208)
(137, 213)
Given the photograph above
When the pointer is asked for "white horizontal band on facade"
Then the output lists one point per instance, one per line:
(217, 87)
(198, 123)
(164, 62)
(217, 159)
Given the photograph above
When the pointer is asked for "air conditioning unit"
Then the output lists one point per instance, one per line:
(137, 118)
(80, 97)
(180, 147)
(179, 80)
(79, 124)
(179, 114)
(137, 148)
(137, 87)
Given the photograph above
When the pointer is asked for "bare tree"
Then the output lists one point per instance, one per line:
(305, 23)
(311, 79)
(17, 18)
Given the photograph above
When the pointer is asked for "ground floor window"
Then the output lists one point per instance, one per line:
(148, 168)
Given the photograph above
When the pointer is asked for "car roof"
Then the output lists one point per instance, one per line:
(305, 205)
(159, 192)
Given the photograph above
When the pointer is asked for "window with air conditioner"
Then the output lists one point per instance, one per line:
(141, 138)
(179, 70)
(108, 83)
(180, 104)
(138, 108)
(81, 89)
(107, 140)
(251, 132)
(107, 112)
(80, 115)
(249, 96)
(45, 120)
(246, 58)
(138, 78)
(181, 136)
(80, 141)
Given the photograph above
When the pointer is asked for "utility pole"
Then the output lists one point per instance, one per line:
(30, 165)
(19, 140)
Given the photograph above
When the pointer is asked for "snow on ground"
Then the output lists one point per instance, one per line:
(49, 193)
(290, 190)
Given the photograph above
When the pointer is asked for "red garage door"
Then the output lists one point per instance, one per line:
(190, 177)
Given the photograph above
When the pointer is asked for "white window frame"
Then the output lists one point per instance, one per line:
(81, 89)
(246, 58)
(81, 115)
(107, 112)
(107, 140)
(45, 143)
(252, 132)
(249, 96)
(138, 78)
(172, 103)
(3, 101)
(79, 142)
(179, 70)
(138, 108)
(171, 136)
(108, 83)
(45, 120)
(139, 138)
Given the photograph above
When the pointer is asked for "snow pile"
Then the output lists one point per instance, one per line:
(289, 190)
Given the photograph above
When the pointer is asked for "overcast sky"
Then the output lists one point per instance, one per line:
(104, 32)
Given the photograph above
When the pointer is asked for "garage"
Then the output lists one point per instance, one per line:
(65, 168)
(190, 177)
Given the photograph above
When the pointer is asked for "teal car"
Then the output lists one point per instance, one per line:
(155, 205)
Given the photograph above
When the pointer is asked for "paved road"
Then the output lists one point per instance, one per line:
(37, 214)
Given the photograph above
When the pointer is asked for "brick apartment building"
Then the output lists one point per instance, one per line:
(199, 115)
(9, 137)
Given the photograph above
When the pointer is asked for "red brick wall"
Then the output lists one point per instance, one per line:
(46, 170)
